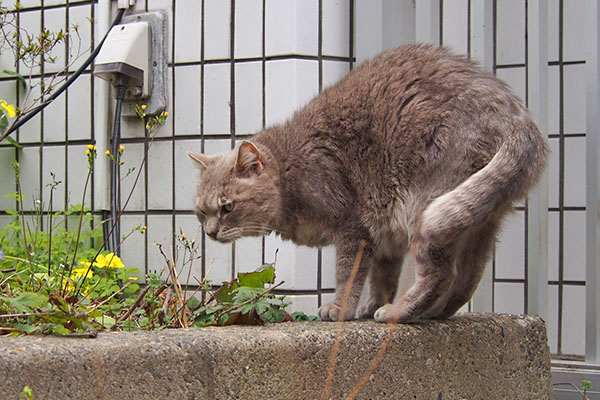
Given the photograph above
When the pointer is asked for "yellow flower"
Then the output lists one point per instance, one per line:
(80, 272)
(68, 286)
(121, 148)
(165, 113)
(107, 152)
(90, 146)
(87, 152)
(133, 278)
(9, 108)
(143, 106)
(110, 261)
(183, 236)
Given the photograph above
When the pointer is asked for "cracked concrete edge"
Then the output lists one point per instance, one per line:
(470, 356)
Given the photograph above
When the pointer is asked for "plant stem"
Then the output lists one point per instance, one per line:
(22, 214)
(175, 283)
(70, 267)
(50, 228)
(137, 177)
(110, 297)
(21, 315)
(7, 257)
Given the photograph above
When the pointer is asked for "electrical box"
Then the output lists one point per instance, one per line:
(126, 51)
(137, 48)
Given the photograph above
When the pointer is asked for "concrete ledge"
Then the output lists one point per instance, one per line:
(472, 356)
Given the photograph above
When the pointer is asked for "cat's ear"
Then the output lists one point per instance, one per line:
(249, 161)
(202, 161)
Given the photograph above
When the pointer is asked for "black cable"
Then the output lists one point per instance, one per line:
(121, 87)
(32, 113)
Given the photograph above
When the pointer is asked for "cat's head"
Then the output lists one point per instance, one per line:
(238, 193)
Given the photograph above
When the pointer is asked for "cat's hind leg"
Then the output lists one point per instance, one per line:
(435, 276)
(476, 250)
(383, 284)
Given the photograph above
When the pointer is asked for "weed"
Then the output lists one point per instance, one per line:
(26, 393)
(61, 280)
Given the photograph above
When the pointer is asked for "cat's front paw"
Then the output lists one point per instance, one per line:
(331, 312)
(386, 313)
(395, 314)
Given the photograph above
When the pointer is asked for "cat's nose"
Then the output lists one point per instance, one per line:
(211, 231)
(211, 228)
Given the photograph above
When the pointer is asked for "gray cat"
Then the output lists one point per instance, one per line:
(416, 148)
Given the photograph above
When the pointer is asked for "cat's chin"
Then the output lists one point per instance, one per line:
(225, 240)
(231, 239)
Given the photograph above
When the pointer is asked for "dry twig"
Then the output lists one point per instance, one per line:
(585, 397)
(391, 326)
(135, 305)
(111, 296)
(336, 344)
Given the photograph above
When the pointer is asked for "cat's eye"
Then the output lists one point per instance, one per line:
(228, 207)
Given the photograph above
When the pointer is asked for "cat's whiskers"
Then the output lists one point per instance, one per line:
(261, 228)
(249, 229)
(256, 230)
(231, 234)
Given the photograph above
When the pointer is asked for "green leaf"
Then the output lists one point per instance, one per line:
(105, 321)
(246, 308)
(57, 329)
(27, 301)
(245, 293)
(212, 310)
(11, 140)
(225, 293)
(273, 314)
(26, 393)
(258, 278)
(19, 77)
(262, 306)
(133, 288)
(299, 316)
(203, 320)
(224, 319)
(193, 303)
(28, 329)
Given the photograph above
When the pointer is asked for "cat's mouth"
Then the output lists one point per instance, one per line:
(231, 234)
(217, 238)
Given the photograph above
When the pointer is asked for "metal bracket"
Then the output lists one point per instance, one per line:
(158, 99)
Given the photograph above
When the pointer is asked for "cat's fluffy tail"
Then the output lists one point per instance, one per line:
(514, 169)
